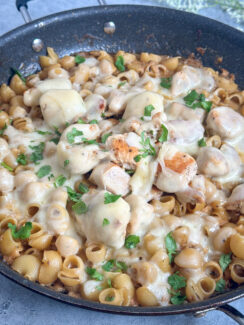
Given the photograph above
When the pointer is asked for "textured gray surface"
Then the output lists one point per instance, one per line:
(23, 307)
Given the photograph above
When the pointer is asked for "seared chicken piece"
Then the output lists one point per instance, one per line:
(95, 105)
(111, 177)
(225, 122)
(191, 78)
(90, 224)
(141, 214)
(117, 101)
(236, 200)
(124, 148)
(175, 169)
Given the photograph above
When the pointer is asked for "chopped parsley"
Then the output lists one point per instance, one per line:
(166, 82)
(121, 84)
(73, 195)
(89, 141)
(224, 261)
(202, 143)
(94, 274)
(131, 241)
(79, 59)
(220, 285)
(44, 171)
(93, 122)
(105, 136)
(119, 63)
(23, 233)
(114, 266)
(109, 298)
(164, 135)
(21, 159)
(43, 132)
(16, 71)
(81, 121)
(54, 140)
(130, 171)
(171, 246)
(110, 198)
(80, 207)
(66, 162)
(148, 110)
(72, 134)
(194, 100)
(177, 298)
(106, 222)
(60, 180)
(7, 166)
(148, 149)
(83, 188)
(176, 281)
(37, 153)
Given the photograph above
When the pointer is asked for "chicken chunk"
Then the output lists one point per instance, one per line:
(175, 169)
(225, 122)
(61, 106)
(90, 224)
(111, 177)
(136, 105)
(185, 134)
(117, 101)
(191, 78)
(236, 200)
(76, 133)
(95, 105)
(123, 149)
(141, 214)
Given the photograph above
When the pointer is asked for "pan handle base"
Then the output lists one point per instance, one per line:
(233, 313)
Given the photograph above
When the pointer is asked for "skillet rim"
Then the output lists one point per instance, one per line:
(5, 270)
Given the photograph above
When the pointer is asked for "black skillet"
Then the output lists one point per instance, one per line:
(137, 29)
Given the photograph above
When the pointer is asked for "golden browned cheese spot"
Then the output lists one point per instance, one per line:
(123, 152)
(179, 162)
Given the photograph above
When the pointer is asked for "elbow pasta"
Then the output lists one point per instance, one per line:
(114, 180)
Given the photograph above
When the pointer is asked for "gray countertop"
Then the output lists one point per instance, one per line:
(23, 307)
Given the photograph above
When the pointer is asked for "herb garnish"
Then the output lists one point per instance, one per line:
(7, 166)
(164, 135)
(114, 266)
(131, 241)
(176, 282)
(37, 153)
(224, 261)
(16, 71)
(3, 129)
(21, 159)
(79, 59)
(166, 82)
(23, 233)
(120, 63)
(171, 246)
(202, 143)
(220, 285)
(72, 134)
(43, 171)
(105, 136)
(194, 100)
(60, 180)
(106, 222)
(94, 274)
(148, 149)
(148, 110)
(80, 207)
(110, 198)
(66, 162)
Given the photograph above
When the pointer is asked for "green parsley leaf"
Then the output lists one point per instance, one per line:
(81, 121)
(130, 171)
(110, 198)
(3, 129)
(6, 166)
(99, 288)
(67, 124)
(224, 261)
(170, 245)
(43, 132)
(148, 110)
(83, 188)
(23, 233)
(166, 82)
(109, 298)
(191, 97)
(66, 162)
(93, 122)
(194, 100)
(21, 159)
(16, 71)
(202, 143)
(73, 195)
(56, 130)
(105, 222)
(54, 140)
(220, 285)
(120, 63)
(94, 274)
(80, 207)
(105, 136)
(89, 141)
(72, 134)
(176, 281)
(121, 84)
(148, 149)
(79, 59)
(60, 180)
(177, 299)
(50, 176)
(43, 171)
(108, 266)
(131, 241)
(37, 153)
(109, 283)
(164, 135)
(121, 120)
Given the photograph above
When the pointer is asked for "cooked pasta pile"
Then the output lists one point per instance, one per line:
(121, 178)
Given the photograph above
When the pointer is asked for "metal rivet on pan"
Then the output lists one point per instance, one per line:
(109, 27)
(37, 44)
